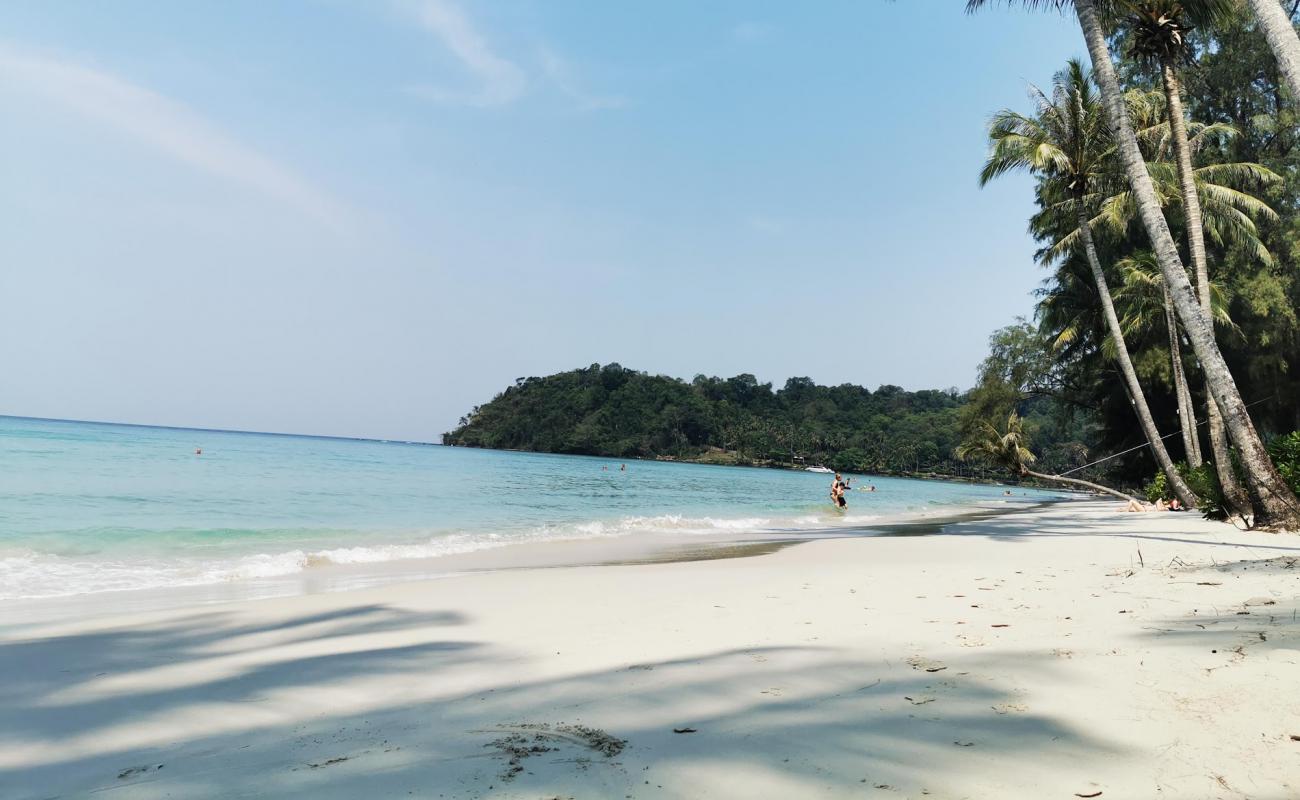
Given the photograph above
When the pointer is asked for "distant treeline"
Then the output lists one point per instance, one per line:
(613, 411)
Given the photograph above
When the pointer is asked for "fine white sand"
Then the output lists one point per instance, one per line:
(1048, 654)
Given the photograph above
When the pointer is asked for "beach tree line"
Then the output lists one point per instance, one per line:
(1168, 187)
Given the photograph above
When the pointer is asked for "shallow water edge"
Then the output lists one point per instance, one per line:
(618, 551)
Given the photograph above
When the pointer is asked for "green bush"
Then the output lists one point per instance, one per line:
(1205, 482)
(1157, 488)
(1285, 451)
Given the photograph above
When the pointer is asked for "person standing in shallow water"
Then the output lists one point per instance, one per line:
(838, 487)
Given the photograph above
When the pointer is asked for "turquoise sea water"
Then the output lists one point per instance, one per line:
(89, 507)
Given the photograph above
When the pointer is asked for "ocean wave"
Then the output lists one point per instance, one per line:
(28, 574)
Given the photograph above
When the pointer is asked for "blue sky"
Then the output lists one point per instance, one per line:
(362, 218)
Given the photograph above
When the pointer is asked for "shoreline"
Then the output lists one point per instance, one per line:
(621, 549)
(1057, 652)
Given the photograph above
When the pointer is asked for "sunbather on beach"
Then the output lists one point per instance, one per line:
(1138, 507)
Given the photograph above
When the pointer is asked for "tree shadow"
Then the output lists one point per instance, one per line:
(68, 694)
(1234, 630)
(774, 717)
(1169, 527)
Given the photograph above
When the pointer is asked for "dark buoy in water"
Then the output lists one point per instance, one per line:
(198, 451)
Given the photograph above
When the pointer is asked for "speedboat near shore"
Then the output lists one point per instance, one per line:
(818, 469)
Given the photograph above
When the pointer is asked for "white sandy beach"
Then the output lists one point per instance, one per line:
(1058, 653)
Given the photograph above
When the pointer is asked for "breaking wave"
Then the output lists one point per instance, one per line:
(31, 574)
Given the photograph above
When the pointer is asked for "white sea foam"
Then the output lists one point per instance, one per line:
(29, 574)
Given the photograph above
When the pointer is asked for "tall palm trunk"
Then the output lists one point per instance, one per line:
(1181, 490)
(1186, 412)
(1281, 36)
(1235, 497)
(1276, 504)
(1096, 487)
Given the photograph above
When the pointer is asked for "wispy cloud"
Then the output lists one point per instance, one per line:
(154, 120)
(500, 80)
(497, 79)
(559, 72)
(752, 31)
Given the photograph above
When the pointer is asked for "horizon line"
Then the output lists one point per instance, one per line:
(222, 430)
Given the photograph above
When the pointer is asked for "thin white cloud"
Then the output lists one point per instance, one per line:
(562, 74)
(156, 121)
(501, 81)
(751, 31)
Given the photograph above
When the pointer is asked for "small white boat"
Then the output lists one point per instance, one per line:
(818, 469)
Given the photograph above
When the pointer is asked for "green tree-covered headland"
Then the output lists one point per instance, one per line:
(613, 411)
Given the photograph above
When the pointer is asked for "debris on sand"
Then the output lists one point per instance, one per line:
(516, 747)
(526, 740)
(133, 772)
(917, 662)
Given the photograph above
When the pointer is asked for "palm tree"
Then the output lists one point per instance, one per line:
(1227, 212)
(1144, 300)
(1228, 209)
(1066, 144)
(1281, 36)
(1275, 503)
(1009, 449)
(1160, 29)
(1147, 306)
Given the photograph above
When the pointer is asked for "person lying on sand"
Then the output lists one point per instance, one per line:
(1159, 505)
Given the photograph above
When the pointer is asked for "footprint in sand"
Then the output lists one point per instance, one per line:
(1010, 708)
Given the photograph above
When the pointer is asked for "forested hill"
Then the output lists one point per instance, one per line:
(619, 412)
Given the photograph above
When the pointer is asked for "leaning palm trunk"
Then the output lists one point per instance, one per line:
(1275, 503)
(1180, 488)
(1186, 412)
(1235, 497)
(1096, 487)
(1281, 36)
